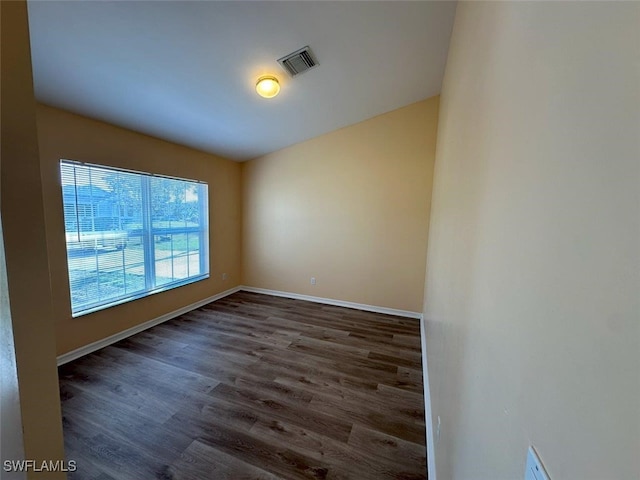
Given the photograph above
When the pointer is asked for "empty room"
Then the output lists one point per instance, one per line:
(320, 240)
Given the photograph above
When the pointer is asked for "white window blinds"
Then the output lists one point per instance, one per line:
(130, 234)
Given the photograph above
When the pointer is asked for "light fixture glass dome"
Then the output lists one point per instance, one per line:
(268, 86)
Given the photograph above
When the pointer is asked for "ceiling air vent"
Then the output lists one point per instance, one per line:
(299, 61)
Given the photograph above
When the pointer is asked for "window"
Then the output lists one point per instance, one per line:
(131, 234)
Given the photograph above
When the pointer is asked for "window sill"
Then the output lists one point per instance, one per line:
(136, 296)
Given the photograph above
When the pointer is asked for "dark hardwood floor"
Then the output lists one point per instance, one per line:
(251, 387)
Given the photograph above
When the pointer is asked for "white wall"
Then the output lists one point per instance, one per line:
(533, 279)
(349, 208)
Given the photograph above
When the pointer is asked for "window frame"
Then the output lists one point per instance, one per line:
(147, 234)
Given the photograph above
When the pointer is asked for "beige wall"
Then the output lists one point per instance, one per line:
(533, 279)
(350, 208)
(26, 313)
(63, 135)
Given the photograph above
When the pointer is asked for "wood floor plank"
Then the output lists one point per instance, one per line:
(399, 422)
(122, 393)
(296, 411)
(408, 456)
(358, 458)
(413, 375)
(327, 348)
(345, 338)
(251, 387)
(274, 458)
(408, 341)
(274, 389)
(408, 379)
(94, 449)
(202, 461)
(148, 438)
(397, 360)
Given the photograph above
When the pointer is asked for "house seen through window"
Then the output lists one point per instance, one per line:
(130, 234)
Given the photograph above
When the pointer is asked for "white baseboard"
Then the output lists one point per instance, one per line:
(92, 347)
(337, 303)
(428, 417)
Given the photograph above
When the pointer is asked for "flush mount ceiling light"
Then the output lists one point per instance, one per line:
(268, 86)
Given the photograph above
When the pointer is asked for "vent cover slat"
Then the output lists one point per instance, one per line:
(299, 61)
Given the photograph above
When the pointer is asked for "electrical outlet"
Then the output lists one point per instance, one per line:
(313, 280)
(224, 277)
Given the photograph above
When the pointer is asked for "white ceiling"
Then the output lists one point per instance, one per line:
(186, 71)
